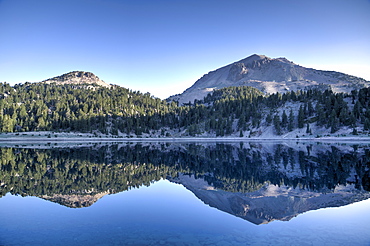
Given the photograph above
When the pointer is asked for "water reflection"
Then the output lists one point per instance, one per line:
(257, 182)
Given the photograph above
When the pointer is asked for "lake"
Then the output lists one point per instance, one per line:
(185, 193)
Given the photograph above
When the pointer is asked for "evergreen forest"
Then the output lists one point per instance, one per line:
(238, 111)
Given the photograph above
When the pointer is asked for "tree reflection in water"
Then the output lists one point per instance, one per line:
(78, 176)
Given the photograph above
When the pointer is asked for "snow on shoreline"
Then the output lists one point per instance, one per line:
(86, 137)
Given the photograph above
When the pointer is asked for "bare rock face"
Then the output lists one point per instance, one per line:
(237, 72)
(74, 200)
(77, 78)
(270, 75)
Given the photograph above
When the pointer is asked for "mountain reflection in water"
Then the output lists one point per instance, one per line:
(259, 182)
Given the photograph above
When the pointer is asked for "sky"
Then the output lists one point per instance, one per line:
(164, 46)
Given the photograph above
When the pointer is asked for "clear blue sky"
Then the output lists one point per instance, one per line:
(164, 46)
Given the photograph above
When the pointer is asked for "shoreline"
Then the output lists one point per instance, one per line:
(46, 137)
(19, 139)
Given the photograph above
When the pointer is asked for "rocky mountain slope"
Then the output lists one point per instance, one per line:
(271, 202)
(269, 75)
(77, 77)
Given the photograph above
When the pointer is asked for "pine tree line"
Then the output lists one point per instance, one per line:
(86, 108)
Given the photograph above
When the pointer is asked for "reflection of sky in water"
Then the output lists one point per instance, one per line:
(168, 214)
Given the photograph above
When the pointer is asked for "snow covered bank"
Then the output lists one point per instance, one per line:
(87, 137)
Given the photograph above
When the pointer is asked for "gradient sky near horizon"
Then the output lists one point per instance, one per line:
(164, 46)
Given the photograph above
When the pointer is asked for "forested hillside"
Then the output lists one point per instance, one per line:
(232, 111)
(44, 107)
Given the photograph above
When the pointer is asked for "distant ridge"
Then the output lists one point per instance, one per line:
(270, 75)
(77, 77)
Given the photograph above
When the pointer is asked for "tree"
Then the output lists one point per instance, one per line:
(277, 124)
(308, 129)
(334, 122)
(269, 118)
(284, 120)
(310, 108)
(7, 124)
(241, 122)
(301, 117)
(357, 109)
(367, 124)
(291, 121)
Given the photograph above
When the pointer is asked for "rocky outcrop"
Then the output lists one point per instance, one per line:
(77, 78)
(270, 76)
(75, 200)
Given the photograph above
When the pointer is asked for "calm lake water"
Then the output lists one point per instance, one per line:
(152, 193)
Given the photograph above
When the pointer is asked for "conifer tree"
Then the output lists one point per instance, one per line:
(284, 120)
(277, 124)
(242, 122)
(301, 117)
(308, 129)
(367, 124)
(291, 121)
(334, 122)
(269, 118)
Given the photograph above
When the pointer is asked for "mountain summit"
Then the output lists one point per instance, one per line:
(77, 77)
(269, 75)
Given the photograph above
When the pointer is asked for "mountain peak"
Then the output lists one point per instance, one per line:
(254, 58)
(77, 77)
(257, 57)
(269, 75)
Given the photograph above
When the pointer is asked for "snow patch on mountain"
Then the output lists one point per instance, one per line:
(270, 75)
